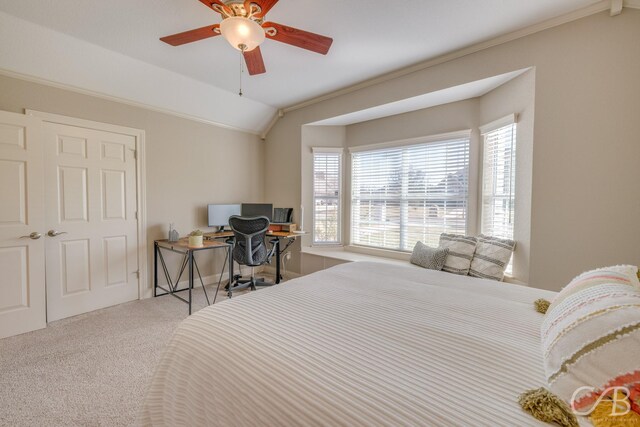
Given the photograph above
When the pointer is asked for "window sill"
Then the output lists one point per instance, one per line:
(342, 254)
(381, 253)
(347, 253)
(513, 280)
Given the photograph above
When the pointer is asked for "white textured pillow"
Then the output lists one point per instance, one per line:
(461, 249)
(616, 274)
(591, 337)
(428, 257)
(491, 257)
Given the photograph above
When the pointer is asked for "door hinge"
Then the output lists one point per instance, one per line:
(137, 273)
(136, 214)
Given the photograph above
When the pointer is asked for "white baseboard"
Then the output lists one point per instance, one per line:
(288, 275)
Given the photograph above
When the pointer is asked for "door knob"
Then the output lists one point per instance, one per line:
(54, 233)
(33, 236)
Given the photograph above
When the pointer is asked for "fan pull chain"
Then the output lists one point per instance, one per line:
(241, 66)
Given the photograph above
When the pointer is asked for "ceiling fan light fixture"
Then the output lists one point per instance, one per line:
(242, 33)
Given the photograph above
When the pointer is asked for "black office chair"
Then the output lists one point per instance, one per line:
(250, 249)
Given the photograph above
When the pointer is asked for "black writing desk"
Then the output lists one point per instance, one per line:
(188, 260)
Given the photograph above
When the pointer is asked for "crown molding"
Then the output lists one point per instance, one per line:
(272, 123)
(71, 88)
(601, 6)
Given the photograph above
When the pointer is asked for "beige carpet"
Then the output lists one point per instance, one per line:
(88, 370)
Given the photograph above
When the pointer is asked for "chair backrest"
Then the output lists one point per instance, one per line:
(250, 233)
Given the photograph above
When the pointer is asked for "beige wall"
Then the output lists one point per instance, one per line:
(189, 164)
(585, 208)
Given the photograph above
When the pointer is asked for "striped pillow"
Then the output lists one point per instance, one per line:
(620, 274)
(491, 257)
(461, 249)
(591, 336)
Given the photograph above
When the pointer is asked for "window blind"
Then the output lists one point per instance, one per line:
(326, 197)
(498, 182)
(403, 195)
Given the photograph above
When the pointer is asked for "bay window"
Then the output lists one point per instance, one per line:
(498, 180)
(327, 182)
(404, 194)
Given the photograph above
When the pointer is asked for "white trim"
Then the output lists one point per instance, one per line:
(413, 141)
(499, 123)
(338, 150)
(632, 4)
(272, 123)
(325, 245)
(124, 101)
(545, 25)
(141, 168)
(616, 7)
(88, 124)
(289, 275)
(144, 284)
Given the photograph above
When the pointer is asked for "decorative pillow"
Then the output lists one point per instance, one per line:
(461, 249)
(591, 337)
(617, 274)
(428, 257)
(491, 257)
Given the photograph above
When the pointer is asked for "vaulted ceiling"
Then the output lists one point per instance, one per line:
(371, 38)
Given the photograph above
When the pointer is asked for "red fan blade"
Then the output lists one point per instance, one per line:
(255, 63)
(299, 38)
(265, 6)
(192, 36)
(217, 6)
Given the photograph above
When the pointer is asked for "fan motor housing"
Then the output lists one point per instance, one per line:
(238, 8)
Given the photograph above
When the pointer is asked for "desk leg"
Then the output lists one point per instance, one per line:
(230, 253)
(278, 277)
(190, 278)
(155, 269)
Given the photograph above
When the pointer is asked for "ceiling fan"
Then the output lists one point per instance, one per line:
(244, 27)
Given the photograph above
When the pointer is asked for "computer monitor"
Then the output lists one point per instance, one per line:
(219, 214)
(257, 209)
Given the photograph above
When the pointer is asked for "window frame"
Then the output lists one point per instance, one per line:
(509, 120)
(339, 151)
(399, 253)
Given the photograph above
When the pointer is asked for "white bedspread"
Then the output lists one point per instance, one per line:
(361, 344)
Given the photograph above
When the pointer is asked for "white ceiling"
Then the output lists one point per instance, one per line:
(371, 37)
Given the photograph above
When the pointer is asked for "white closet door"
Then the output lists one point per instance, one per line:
(22, 275)
(91, 245)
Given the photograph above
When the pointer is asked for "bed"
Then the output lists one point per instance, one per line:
(358, 344)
